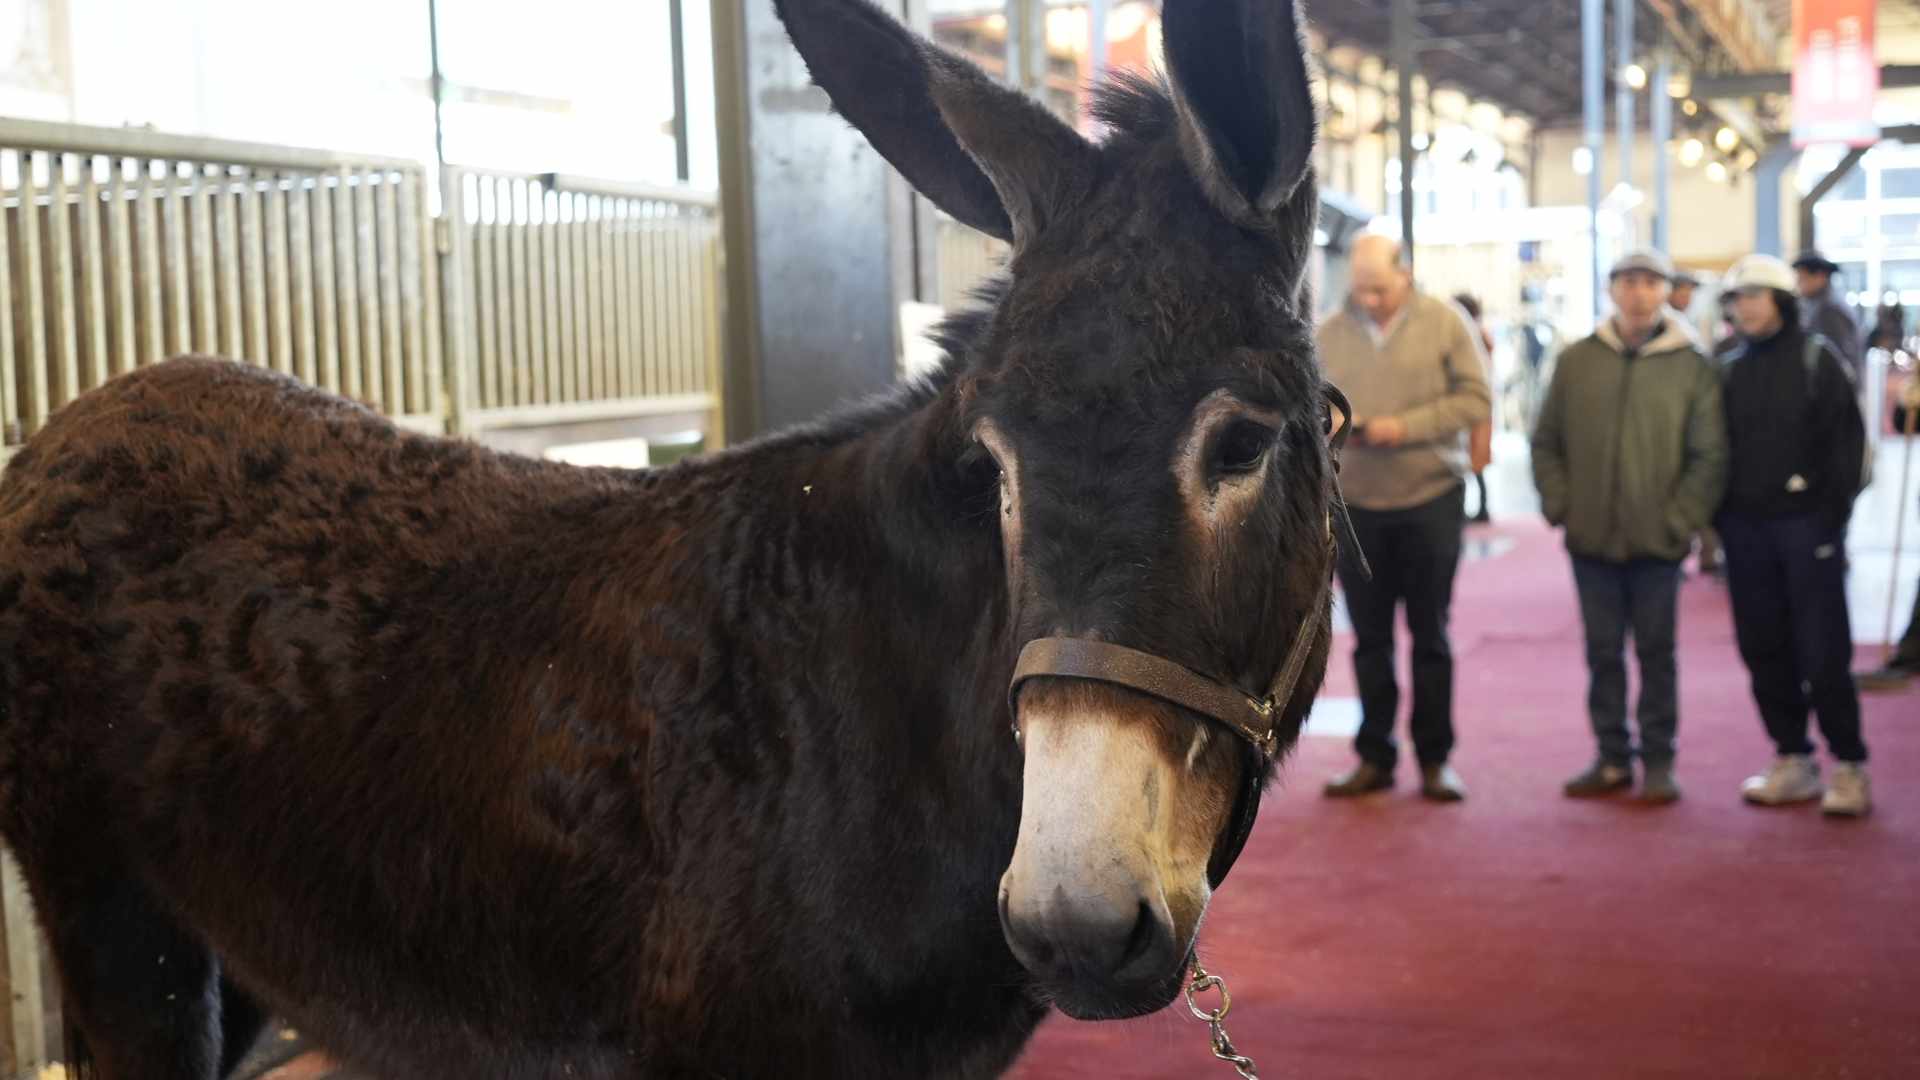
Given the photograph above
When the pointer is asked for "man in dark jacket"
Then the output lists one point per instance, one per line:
(1824, 314)
(1797, 444)
(1630, 459)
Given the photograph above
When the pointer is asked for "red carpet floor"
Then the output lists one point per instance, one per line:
(1522, 934)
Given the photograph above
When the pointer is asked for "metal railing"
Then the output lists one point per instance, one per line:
(581, 299)
(118, 248)
(565, 300)
(967, 257)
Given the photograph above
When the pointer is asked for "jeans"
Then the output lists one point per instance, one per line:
(1639, 597)
(1414, 554)
(1788, 580)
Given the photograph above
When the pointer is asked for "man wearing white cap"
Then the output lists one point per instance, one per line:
(1797, 443)
(1630, 457)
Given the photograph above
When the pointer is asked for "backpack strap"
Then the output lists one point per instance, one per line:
(1810, 358)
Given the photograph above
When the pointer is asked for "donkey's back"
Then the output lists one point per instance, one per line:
(252, 634)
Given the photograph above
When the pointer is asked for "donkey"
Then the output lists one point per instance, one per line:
(473, 765)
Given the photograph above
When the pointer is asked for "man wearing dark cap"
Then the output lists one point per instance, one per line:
(1680, 298)
(1630, 458)
(1824, 313)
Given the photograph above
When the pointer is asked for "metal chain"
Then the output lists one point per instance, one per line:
(1199, 983)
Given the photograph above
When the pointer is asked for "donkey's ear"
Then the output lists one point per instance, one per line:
(988, 155)
(1239, 74)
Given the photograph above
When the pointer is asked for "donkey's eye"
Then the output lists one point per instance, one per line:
(1241, 447)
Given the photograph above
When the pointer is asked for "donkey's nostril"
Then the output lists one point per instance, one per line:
(1146, 934)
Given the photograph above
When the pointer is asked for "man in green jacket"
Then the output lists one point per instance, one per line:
(1630, 456)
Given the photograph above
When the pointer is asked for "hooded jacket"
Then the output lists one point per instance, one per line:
(1630, 453)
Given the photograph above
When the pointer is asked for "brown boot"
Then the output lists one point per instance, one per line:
(1364, 779)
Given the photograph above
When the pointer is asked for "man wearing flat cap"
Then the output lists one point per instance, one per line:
(1630, 457)
(1824, 313)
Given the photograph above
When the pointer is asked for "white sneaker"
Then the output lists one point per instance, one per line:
(1792, 778)
(1848, 795)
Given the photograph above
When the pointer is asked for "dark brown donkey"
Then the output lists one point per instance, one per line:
(475, 766)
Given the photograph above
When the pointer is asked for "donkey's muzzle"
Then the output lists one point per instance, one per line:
(1098, 957)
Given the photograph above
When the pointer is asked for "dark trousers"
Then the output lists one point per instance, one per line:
(1788, 580)
(1414, 554)
(1639, 597)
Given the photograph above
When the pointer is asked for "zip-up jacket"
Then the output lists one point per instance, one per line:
(1630, 453)
(1794, 430)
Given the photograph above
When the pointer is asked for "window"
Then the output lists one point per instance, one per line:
(1900, 183)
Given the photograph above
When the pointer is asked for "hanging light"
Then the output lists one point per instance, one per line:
(1582, 160)
(1679, 84)
(1717, 172)
(1635, 75)
(1726, 139)
(1692, 152)
(1690, 107)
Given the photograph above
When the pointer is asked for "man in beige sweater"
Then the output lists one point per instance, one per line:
(1418, 383)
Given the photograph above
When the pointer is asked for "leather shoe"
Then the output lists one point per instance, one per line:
(1441, 784)
(1364, 779)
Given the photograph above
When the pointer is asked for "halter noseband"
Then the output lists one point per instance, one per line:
(1253, 719)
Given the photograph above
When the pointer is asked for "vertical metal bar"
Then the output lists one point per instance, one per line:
(609, 325)
(1403, 29)
(568, 350)
(596, 335)
(1592, 60)
(150, 282)
(1097, 38)
(430, 329)
(622, 299)
(179, 276)
(28, 1028)
(367, 274)
(326, 319)
(483, 232)
(652, 312)
(523, 360)
(392, 267)
(550, 291)
(438, 86)
(126, 353)
(304, 276)
(1662, 132)
(716, 339)
(536, 291)
(674, 279)
(9, 362)
(253, 243)
(279, 347)
(457, 280)
(636, 343)
(60, 249)
(408, 308)
(33, 293)
(200, 220)
(93, 280)
(347, 265)
(227, 256)
(677, 36)
(583, 329)
(1623, 103)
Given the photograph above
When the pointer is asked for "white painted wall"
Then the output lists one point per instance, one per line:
(1712, 223)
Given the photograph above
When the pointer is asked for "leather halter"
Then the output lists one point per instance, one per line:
(1253, 719)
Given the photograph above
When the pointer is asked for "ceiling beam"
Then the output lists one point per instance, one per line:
(1740, 27)
(1756, 83)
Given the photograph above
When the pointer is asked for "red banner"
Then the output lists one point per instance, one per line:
(1835, 75)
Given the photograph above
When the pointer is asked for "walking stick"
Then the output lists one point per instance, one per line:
(1900, 518)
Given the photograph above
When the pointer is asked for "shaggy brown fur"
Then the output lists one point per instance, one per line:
(471, 765)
